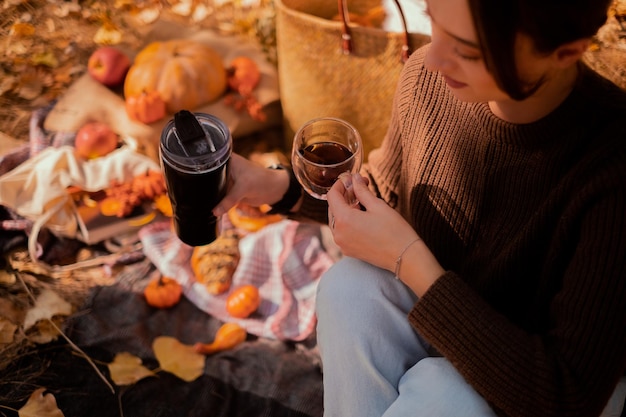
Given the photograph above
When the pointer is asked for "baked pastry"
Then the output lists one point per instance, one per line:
(214, 264)
(251, 219)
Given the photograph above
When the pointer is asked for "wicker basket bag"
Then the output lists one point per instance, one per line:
(333, 68)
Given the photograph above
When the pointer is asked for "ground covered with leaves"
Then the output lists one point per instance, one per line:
(45, 44)
(44, 48)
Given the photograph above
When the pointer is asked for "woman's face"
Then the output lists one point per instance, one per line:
(455, 52)
(456, 55)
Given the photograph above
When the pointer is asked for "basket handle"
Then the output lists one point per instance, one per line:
(346, 36)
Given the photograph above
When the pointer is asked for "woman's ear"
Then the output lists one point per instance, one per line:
(571, 52)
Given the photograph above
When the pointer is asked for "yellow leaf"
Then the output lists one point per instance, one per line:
(45, 333)
(7, 331)
(22, 29)
(201, 12)
(120, 4)
(39, 405)
(143, 220)
(19, 47)
(126, 369)
(11, 3)
(63, 9)
(183, 8)
(178, 359)
(6, 277)
(107, 35)
(45, 58)
(50, 25)
(148, 15)
(47, 305)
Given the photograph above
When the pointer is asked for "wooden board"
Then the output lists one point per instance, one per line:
(87, 100)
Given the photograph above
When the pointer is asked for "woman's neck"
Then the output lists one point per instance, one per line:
(547, 98)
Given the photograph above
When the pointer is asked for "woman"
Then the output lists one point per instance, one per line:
(498, 201)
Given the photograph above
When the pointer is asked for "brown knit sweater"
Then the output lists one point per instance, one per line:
(530, 223)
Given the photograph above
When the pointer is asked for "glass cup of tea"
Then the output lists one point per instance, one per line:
(323, 149)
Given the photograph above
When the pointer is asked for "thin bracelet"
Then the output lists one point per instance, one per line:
(399, 259)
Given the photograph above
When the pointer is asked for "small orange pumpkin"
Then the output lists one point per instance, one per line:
(163, 292)
(243, 75)
(243, 301)
(147, 107)
(186, 74)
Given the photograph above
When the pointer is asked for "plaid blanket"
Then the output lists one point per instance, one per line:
(283, 260)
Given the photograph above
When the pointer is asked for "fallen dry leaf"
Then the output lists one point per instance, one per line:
(6, 277)
(11, 308)
(17, 48)
(22, 29)
(46, 333)
(29, 88)
(183, 8)
(7, 331)
(47, 305)
(201, 12)
(10, 3)
(178, 359)
(148, 15)
(64, 9)
(46, 58)
(108, 34)
(49, 23)
(122, 4)
(126, 369)
(7, 82)
(39, 405)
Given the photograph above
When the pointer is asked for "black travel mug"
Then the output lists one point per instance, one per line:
(194, 152)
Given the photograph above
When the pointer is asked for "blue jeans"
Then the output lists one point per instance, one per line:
(374, 363)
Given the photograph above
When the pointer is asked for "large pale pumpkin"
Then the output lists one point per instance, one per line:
(187, 74)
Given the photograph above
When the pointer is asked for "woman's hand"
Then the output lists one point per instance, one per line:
(376, 234)
(252, 184)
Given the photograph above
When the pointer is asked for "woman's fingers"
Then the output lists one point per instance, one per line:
(244, 184)
(346, 180)
(362, 193)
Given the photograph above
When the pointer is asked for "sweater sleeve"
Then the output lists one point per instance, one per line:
(561, 351)
(385, 165)
(571, 367)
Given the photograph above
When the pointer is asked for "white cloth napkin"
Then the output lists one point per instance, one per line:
(37, 189)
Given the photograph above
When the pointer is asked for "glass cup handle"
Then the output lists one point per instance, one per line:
(346, 179)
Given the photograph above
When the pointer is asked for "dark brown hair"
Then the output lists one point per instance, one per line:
(548, 23)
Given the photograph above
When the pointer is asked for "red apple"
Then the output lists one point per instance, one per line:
(95, 139)
(108, 65)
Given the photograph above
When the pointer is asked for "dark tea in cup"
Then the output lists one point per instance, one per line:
(195, 150)
(323, 149)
